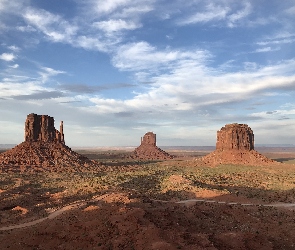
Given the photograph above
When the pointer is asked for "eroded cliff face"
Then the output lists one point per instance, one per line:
(43, 149)
(235, 137)
(235, 145)
(41, 128)
(149, 139)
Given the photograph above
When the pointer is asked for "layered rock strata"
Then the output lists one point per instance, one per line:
(235, 145)
(235, 137)
(148, 149)
(43, 149)
(41, 128)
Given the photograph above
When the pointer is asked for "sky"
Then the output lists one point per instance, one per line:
(113, 70)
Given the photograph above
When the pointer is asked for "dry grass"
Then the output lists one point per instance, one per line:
(150, 179)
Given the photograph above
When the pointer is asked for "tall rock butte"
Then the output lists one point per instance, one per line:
(148, 149)
(235, 137)
(44, 149)
(41, 128)
(235, 145)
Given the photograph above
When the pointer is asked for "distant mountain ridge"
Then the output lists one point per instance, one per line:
(194, 148)
(7, 146)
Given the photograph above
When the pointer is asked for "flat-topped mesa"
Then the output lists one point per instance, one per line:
(235, 145)
(235, 137)
(41, 128)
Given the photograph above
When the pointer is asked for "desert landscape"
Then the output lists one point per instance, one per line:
(229, 197)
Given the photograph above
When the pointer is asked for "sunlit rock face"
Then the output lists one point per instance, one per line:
(235, 137)
(235, 145)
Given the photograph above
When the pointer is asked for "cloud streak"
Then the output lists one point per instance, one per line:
(8, 57)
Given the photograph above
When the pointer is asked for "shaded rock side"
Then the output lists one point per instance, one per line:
(235, 145)
(43, 156)
(43, 149)
(148, 149)
(41, 128)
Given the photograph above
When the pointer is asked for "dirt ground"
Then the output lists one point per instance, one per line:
(122, 222)
(137, 208)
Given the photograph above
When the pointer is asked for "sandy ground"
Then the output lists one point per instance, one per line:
(119, 221)
(131, 220)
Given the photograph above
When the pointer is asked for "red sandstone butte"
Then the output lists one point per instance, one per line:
(235, 145)
(235, 137)
(43, 149)
(148, 149)
(41, 128)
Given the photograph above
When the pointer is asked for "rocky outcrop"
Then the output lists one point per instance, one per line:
(235, 145)
(44, 149)
(148, 149)
(235, 137)
(41, 128)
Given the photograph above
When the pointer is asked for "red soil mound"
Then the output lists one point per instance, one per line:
(38, 156)
(244, 157)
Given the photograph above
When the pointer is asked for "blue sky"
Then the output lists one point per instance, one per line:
(113, 70)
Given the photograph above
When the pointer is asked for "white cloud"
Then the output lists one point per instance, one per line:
(77, 34)
(91, 43)
(14, 48)
(181, 85)
(116, 25)
(223, 11)
(276, 114)
(15, 66)
(47, 72)
(7, 57)
(134, 11)
(27, 28)
(189, 85)
(234, 18)
(291, 10)
(267, 49)
(108, 6)
(11, 6)
(142, 55)
(282, 37)
(8, 89)
(211, 13)
(121, 7)
(56, 28)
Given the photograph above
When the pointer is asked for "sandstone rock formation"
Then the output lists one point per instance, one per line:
(235, 137)
(43, 149)
(148, 149)
(41, 128)
(235, 145)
